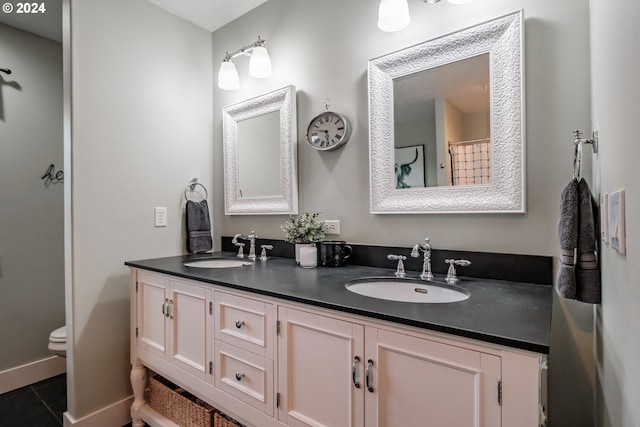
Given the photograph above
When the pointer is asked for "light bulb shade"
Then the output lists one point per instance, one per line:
(393, 15)
(228, 76)
(260, 63)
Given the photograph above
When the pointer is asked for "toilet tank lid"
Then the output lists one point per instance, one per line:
(60, 333)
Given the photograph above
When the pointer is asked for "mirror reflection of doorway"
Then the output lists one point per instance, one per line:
(445, 108)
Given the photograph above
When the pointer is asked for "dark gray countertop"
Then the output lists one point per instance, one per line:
(513, 314)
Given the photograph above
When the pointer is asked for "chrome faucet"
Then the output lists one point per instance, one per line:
(252, 244)
(263, 254)
(426, 264)
(451, 273)
(240, 249)
(400, 268)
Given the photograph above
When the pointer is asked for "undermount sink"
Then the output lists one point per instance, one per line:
(216, 263)
(406, 290)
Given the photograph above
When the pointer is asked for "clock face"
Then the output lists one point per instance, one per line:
(328, 130)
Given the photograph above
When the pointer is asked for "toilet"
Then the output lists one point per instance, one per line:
(58, 342)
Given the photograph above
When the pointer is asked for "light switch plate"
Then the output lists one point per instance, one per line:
(604, 217)
(160, 216)
(617, 230)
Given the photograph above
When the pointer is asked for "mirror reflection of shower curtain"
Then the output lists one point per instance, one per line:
(470, 162)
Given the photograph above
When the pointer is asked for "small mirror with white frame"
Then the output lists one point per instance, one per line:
(259, 138)
(499, 43)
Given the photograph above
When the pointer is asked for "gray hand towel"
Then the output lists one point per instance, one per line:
(587, 273)
(568, 234)
(198, 227)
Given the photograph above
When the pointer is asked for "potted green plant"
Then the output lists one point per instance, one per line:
(303, 230)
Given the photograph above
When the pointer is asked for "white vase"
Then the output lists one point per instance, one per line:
(308, 257)
(301, 245)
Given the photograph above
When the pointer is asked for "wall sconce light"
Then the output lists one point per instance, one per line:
(393, 15)
(259, 65)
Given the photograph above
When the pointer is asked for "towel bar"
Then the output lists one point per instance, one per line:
(577, 155)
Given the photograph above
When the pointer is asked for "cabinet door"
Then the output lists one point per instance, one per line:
(152, 306)
(316, 357)
(416, 382)
(189, 328)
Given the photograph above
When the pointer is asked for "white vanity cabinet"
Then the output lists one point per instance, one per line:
(270, 362)
(335, 372)
(173, 322)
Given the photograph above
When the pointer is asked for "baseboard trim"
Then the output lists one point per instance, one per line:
(116, 415)
(20, 376)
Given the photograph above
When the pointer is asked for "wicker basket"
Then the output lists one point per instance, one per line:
(221, 420)
(178, 405)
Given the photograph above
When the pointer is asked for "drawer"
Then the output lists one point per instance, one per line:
(244, 375)
(245, 323)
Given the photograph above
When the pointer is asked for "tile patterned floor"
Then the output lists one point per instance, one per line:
(40, 404)
(37, 405)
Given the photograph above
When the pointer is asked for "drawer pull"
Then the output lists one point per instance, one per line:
(369, 375)
(165, 307)
(239, 324)
(239, 376)
(355, 373)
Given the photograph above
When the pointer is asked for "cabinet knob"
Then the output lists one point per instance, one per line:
(239, 376)
(239, 324)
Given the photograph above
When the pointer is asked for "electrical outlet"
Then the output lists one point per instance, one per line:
(161, 216)
(332, 226)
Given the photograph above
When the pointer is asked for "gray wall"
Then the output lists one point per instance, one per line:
(615, 92)
(31, 213)
(324, 54)
(141, 109)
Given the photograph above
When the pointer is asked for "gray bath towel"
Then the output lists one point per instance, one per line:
(577, 234)
(568, 234)
(198, 227)
(587, 273)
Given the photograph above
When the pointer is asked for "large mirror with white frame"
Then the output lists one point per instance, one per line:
(259, 137)
(447, 123)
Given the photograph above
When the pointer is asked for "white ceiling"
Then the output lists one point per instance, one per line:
(208, 14)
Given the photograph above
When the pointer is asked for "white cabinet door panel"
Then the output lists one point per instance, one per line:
(152, 305)
(418, 382)
(315, 359)
(189, 328)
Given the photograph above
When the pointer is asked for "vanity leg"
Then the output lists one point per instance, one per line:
(138, 383)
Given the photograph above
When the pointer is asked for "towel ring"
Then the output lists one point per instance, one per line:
(192, 186)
